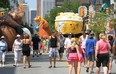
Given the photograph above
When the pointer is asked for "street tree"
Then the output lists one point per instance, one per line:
(4, 4)
(68, 6)
(98, 24)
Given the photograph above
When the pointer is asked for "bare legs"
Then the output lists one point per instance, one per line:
(24, 61)
(75, 67)
(97, 70)
(79, 68)
(50, 59)
(61, 55)
(70, 68)
(92, 66)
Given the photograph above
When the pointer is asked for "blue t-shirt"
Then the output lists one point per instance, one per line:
(90, 44)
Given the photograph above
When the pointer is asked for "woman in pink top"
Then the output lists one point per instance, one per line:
(102, 54)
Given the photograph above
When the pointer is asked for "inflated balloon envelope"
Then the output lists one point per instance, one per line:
(69, 22)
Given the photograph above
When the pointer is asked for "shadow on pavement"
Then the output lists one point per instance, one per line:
(7, 70)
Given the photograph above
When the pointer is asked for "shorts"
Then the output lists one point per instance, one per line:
(53, 53)
(91, 57)
(102, 59)
(61, 50)
(35, 47)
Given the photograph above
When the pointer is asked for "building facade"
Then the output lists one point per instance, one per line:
(26, 16)
(21, 1)
(32, 15)
(44, 7)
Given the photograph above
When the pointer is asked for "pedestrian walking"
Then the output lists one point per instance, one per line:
(17, 49)
(102, 54)
(35, 41)
(111, 40)
(3, 50)
(67, 44)
(61, 50)
(114, 49)
(75, 57)
(26, 50)
(83, 39)
(90, 54)
(53, 49)
(47, 45)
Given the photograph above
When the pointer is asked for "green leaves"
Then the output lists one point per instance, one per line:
(4, 4)
(98, 23)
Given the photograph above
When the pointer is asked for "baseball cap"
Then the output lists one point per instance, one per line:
(2, 37)
(18, 35)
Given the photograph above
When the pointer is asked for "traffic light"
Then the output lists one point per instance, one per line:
(81, 11)
(107, 10)
(1, 13)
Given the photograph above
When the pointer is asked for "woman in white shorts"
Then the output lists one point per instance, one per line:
(3, 49)
(17, 48)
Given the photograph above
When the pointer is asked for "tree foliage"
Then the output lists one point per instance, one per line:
(68, 6)
(113, 23)
(98, 23)
(4, 4)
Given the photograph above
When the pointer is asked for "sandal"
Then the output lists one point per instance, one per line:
(87, 70)
(50, 66)
(24, 67)
(29, 66)
(54, 66)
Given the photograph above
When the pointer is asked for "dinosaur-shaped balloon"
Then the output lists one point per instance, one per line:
(10, 25)
(44, 30)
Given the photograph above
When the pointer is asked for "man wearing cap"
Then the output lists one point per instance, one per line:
(3, 49)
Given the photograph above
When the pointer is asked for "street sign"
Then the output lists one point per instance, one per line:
(82, 10)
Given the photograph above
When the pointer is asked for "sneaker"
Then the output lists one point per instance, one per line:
(24, 67)
(32, 55)
(17, 65)
(0, 65)
(37, 55)
(91, 72)
(14, 65)
(3, 65)
(40, 53)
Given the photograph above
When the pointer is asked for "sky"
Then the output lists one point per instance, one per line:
(32, 4)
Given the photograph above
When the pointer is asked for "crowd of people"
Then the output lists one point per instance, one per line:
(86, 49)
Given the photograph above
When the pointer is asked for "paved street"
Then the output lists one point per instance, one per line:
(40, 66)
